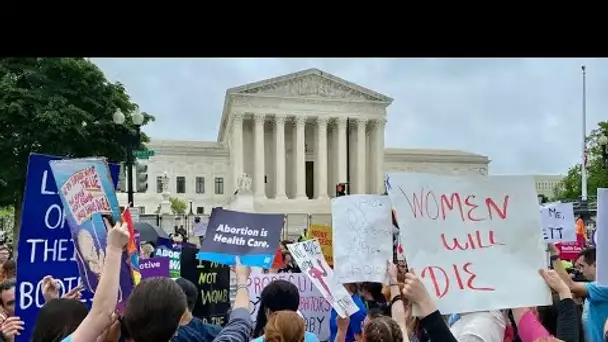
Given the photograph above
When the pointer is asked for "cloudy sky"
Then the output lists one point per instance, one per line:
(525, 114)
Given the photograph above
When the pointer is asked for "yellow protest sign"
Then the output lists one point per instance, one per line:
(323, 234)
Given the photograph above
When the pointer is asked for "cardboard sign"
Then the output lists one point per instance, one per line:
(472, 240)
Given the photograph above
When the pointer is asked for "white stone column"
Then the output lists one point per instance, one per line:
(279, 130)
(342, 177)
(322, 157)
(379, 129)
(361, 155)
(259, 161)
(300, 165)
(236, 148)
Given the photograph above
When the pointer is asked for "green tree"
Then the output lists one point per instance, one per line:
(569, 187)
(178, 206)
(57, 106)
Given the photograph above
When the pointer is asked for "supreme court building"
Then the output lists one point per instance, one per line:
(296, 136)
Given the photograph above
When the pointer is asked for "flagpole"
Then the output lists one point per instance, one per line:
(584, 140)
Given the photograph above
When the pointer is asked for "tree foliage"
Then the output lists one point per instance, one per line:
(57, 106)
(178, 206)
(569, 188)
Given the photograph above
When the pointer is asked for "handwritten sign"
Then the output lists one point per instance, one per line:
(363, 227)
(213, 283)
(324, 235)
(309, 257)
(313, 305)
(45, 242)
(601, 236)
(469, 239)
(86, 191)
(558, 222)
(85, 195)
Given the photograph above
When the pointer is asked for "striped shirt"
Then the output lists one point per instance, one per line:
(238, 328)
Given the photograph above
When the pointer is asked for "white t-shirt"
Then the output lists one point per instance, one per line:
(485, 326)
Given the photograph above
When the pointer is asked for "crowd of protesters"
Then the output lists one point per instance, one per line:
(160, 309)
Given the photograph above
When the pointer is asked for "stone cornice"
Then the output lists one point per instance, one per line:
(187, 148)
(434, 156)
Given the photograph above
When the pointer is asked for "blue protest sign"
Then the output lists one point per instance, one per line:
(45, 243)
(254, 238)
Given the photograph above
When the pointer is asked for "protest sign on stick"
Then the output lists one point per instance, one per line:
(558, 222)
(602, 236)
(310, 259)
(473, 241)
(363, 230)
(45, 242)
(89, 198)
(252, 237)
(313, 305)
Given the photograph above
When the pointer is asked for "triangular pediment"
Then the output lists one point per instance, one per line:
(311, 83)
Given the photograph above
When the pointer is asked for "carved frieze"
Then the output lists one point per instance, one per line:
(311, 86)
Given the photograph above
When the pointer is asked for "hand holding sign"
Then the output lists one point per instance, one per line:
(12, 327)
(118, 236)
(414, 290)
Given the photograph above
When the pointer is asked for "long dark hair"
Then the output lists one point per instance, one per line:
(378, 301)
(57, 319)
(276, 296)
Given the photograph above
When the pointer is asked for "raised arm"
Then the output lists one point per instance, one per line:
(567, 320)
(239, 325)
(106, 295)
(397, 307)
(577, 288)
(431, 319)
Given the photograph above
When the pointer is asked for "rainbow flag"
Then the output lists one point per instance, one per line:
(132, 248)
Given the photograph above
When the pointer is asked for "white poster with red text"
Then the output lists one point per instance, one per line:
(313, 307)
(474, 242)
(309, 257)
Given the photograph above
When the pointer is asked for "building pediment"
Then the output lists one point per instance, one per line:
(311, 83)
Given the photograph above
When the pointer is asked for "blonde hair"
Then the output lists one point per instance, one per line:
(284, 326)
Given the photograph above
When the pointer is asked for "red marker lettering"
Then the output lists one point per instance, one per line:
(425, 202)
(472, 241)
(441, 279)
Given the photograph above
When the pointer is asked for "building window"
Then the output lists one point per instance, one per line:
(159, 184)
(219, 186)
(180, 185)
(200, 185)
(200, 210)
(142, 210)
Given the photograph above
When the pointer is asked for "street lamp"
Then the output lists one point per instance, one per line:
(604, 147)
(132, 142)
